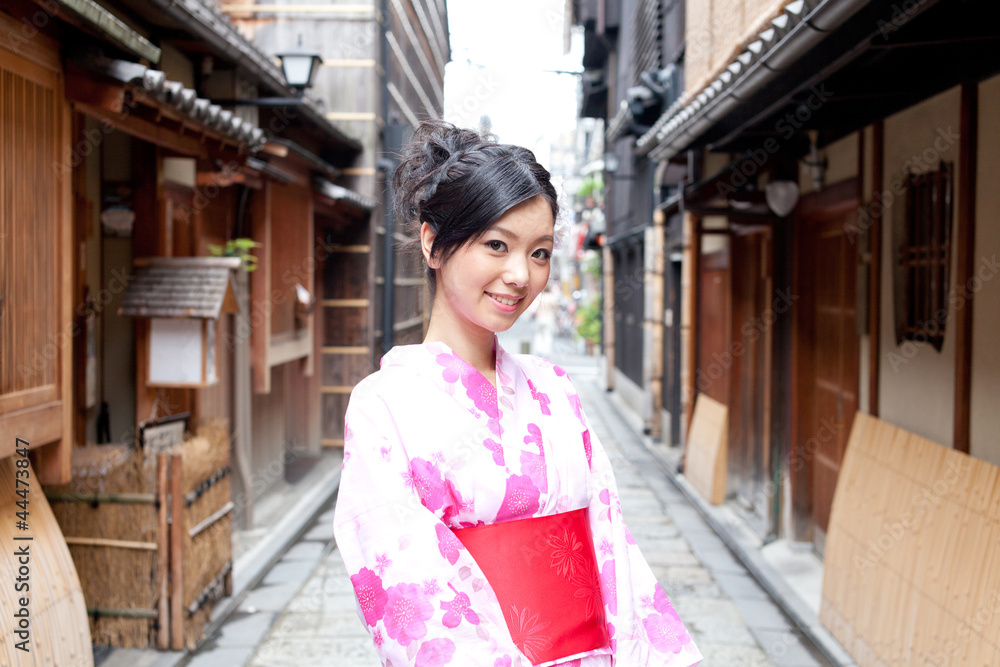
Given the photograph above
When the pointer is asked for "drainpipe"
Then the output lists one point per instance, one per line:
(387, 166)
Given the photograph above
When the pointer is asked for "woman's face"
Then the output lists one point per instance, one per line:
(487, 284)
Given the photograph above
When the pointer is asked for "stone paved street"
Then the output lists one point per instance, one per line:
(303, 612)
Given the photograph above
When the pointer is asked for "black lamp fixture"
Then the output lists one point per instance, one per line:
(299, 65)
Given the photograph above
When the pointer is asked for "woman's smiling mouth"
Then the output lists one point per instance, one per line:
(507, 301)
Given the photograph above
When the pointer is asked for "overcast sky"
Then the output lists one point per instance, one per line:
(500, 52)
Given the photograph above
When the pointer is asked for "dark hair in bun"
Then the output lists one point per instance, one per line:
(460, 182)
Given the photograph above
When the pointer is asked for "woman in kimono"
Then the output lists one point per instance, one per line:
(478, 515)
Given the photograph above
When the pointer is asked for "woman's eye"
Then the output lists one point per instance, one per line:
(496, 246)
(542, 253)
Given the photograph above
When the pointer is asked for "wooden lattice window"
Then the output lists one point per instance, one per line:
(925, 256)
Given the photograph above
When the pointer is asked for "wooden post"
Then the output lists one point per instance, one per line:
(609, 315)
(176, 554)
(260, 215)
(689, 307)
(875, 268)
(966, 247)
(656, 362)
(162, 554)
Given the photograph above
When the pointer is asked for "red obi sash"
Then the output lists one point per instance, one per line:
(545, 576)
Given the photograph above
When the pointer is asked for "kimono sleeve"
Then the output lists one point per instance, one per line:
(419, 593)
(644, 628)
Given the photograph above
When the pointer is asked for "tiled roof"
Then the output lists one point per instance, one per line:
(184, 101)
(180, 287)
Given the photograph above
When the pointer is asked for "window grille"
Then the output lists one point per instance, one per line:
(925, 255)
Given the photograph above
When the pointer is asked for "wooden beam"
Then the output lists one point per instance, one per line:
(38, 425)
(162, 554)
(349, 349)
(351, 115)
(230, 8)
(146, 130)
(964, 272)
(875, 268)
(105, 542)
(260, 285)
(350, 62)
(345, 303)
(176, 553)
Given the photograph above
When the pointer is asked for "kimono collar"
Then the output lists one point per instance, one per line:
(441, 365)
(419, 356)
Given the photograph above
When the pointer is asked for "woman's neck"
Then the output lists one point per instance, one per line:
(474, 346)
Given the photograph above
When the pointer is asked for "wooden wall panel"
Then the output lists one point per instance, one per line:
(912, 567)
(345, 326)
(345, 370)
(346, 279)
(291, 229)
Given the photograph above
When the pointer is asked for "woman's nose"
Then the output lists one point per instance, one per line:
(516, 271)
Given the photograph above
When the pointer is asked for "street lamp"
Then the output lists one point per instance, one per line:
(300, 65)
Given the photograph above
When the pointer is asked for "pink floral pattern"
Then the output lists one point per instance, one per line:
(371, 596)
(543, 400)
(496, 449)
(448, 544)
(521, 499)
(457, 609)
(435, 652)
(406, 613)
(434, 446)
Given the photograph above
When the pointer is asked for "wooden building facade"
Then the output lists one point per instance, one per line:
(131, 139)
(837, 238)
(378, 79)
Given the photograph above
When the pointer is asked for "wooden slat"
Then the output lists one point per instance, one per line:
(357, 249)
(331, 9)
(39, 425)
(176, 553)
(162, 554)
(358, 171)
(260, 283)
(346, 303)
(333, 442)
(211, 519)
(12, 402)
(350, 62)
(105, 542)
(338, 389)
(875, 268)
(912, 567)
(346, 349)
(352, 115)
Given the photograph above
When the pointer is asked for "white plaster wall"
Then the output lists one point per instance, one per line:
(985, 404)
(841, 160)
(917, 383)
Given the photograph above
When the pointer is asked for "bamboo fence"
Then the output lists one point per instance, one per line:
(151, 538)
(912, 563)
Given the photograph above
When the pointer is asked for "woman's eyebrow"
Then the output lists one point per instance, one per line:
(511, 235)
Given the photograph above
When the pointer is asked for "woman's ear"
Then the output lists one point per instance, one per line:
(426, 243)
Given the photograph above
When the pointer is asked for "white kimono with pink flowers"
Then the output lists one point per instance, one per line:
(431, 447)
